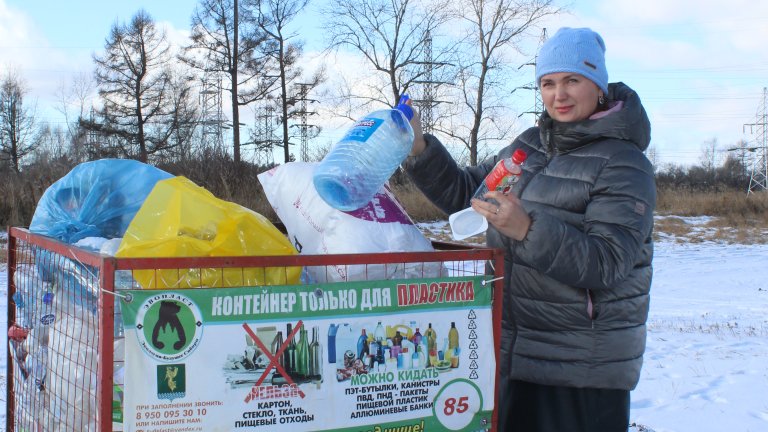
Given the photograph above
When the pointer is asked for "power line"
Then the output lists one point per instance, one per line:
(757, 180)
(538, 104)
(303, 91)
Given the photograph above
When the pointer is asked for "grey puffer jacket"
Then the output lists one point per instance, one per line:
(576, 291)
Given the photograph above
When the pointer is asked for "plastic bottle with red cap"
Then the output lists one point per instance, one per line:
(467, 223)
(503, 176)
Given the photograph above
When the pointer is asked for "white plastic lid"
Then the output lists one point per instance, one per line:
(466, 223)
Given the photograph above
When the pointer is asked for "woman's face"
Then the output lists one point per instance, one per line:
(568, 96)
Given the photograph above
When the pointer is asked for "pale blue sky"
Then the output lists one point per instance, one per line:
(699, 66)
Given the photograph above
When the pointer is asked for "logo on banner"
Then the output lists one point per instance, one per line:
(169, 326)
(171, 381)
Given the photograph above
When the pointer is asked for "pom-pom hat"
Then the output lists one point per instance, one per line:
(579, 50)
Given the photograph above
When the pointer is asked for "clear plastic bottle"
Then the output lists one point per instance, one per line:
(44, 317)
(22, 312)
(37, 365)
(358, 165)
(505, 174)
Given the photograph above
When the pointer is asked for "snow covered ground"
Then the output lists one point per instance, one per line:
(706, 363)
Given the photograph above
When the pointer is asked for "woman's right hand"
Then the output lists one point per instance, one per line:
(508, 216)
(418, 136)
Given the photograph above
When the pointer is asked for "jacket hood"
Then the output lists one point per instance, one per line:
(629, 124)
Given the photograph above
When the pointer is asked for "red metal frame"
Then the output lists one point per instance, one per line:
(10, 396)
(445, 252)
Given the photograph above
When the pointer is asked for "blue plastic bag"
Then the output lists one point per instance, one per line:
(95, 199)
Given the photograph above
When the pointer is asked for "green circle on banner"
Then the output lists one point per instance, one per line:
(457, 403)
(169, 326)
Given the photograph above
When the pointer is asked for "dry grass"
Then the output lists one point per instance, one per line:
(416, 204)
(735, 207)
(731, 217)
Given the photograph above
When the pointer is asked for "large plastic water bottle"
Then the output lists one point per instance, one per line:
(354, 170)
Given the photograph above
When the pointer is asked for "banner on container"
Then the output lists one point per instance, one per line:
(406, 355)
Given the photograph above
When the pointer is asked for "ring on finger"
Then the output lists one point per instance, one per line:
(497, 210)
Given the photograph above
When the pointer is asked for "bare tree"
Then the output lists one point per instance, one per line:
(742, 151)
(17, 122)
(74, 95)
(52, 145)
(274, 16)
(390, 35)
(709, 155)
(75, 103)
(133, 85)
(496, 29)
(226, 39)
(184, 113)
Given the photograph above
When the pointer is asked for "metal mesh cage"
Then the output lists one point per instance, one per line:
(65, 330)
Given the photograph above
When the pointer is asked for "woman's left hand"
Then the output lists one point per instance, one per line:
(508, 217)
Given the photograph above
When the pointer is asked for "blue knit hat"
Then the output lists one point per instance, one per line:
(578, 50)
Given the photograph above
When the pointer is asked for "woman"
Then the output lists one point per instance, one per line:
(577, 231)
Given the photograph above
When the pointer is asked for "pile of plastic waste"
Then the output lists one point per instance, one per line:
(118, 208)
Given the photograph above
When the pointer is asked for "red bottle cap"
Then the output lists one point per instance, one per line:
(519, 156)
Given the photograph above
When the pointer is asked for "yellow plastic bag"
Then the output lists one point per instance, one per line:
(181, 219)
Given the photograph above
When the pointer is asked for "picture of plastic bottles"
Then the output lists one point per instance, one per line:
(379, 333)
(431, 336)
(416, 337)
(362, 346)
(453, 345)
(332, 343)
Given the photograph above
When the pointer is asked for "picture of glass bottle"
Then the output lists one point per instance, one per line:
(290, 352)
(302, 354)
(277, 343)
(315, 357)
